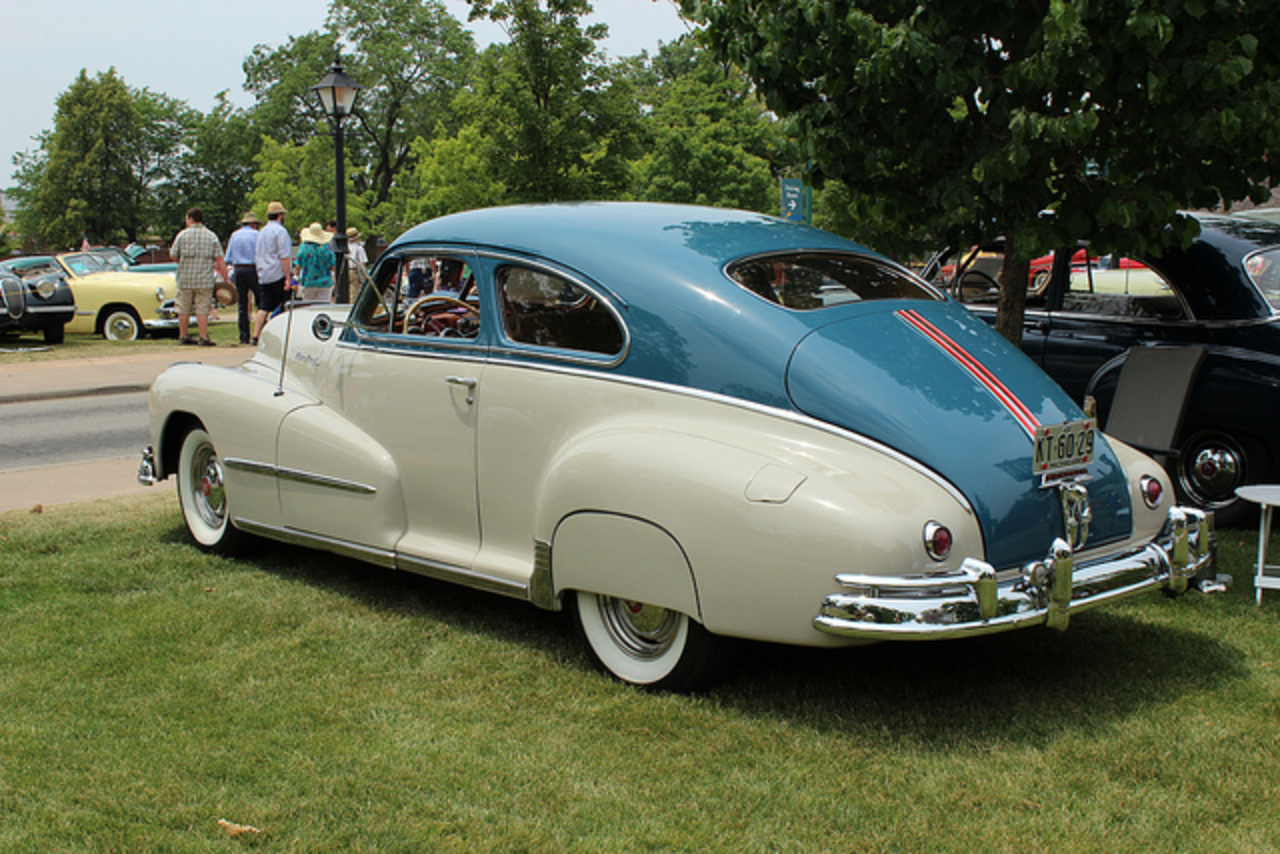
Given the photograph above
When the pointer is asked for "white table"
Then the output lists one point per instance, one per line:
(1266, 496)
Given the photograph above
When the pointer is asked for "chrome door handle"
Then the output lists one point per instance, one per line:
(468, 382)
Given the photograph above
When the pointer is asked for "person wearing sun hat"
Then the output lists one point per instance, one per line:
(242, 249)
(357, 262)
(315, 263)
(273, 260)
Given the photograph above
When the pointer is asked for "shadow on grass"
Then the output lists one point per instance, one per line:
(1021, 687)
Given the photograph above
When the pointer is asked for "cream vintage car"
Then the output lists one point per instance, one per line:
(684, 426)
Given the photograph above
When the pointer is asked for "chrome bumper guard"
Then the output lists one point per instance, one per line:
(976, 600)
(147, 467)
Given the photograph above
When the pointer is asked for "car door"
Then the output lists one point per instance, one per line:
(1100, 309)
(410, 385)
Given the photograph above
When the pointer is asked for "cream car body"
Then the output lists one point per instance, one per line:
(665, 452)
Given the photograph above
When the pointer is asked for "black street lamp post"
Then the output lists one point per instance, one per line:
(338, 94)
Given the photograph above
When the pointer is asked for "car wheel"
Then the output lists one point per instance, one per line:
(202, 496)
(1211, 465)
(646, 645)
(55, 334)
(122, 324)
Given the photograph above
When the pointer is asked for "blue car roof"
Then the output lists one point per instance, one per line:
(604, 239)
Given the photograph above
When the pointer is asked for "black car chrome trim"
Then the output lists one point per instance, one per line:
(312, 478)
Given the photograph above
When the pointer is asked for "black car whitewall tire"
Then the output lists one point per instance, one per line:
(647, 645)
(203, 497)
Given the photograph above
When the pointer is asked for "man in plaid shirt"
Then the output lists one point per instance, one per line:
(198, 253)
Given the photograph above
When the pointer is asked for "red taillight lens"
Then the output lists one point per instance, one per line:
(1152, 491)
(937, 540)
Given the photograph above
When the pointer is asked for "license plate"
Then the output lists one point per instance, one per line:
(1060, 447)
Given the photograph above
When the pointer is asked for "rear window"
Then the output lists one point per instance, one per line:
(1264, 269)
(807, 281)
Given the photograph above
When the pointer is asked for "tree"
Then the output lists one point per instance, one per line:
(711, 140)
(83, 181)
(564, 123)
(218, 171)
(452, 174)
(410, 58)
(974, 118)
(301, 178)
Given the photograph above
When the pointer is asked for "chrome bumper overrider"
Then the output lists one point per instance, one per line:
(976, 600)
(147, 467)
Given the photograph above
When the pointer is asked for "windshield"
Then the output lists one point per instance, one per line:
(807, 281)
(1264, 268)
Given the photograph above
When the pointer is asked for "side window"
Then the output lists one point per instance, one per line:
(549, 311)
(1121, 287)
(431, 295)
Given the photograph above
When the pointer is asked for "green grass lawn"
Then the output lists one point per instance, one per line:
(31, 348)
(148, 690)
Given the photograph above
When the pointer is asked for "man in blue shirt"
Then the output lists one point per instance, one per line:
(273, 258)
(241, 251)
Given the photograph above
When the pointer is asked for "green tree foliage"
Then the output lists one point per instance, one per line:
(452, 174)
(711, 140)
(217, 173)
(960, 121)
(301, 177)
(411, 58)
(83, 182)
(564, 122)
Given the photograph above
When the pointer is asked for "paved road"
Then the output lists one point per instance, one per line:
(77, 394)
(67, 430)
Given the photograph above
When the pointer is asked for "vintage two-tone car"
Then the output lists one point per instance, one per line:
(41, 304)
(683, 425)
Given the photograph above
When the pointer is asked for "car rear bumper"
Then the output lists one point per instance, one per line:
(976, 600)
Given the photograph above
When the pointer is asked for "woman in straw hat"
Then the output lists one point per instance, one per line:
(315, 263)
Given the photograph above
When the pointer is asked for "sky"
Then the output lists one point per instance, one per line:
(192, 51)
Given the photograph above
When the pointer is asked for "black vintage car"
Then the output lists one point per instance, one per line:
(42, 304)
(1217, 304)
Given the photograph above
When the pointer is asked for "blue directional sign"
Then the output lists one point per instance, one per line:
(793, 199)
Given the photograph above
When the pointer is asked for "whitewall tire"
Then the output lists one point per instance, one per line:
(202, 495)
(647, 645)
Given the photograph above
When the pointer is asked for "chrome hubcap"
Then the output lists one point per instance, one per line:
(643, 631)
(209, 493)
(1212, 471)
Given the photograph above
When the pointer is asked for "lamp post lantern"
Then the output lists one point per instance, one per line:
(338, 94)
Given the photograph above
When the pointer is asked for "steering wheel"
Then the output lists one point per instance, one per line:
(975, 284)
(437, 327)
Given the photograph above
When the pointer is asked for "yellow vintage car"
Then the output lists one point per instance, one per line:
(112, 299)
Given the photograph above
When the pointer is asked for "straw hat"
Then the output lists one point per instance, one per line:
(249, 219)
(315, 233)
(353, 233)
(275, 208)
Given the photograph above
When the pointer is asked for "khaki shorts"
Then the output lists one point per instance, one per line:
(197, 301)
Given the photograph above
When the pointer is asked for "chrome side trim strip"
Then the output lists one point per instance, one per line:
(345, 548)
(312, 478)
(458, 575)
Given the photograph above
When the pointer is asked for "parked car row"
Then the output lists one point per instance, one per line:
(1220, 297)
(111, 298)
(681, 425)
